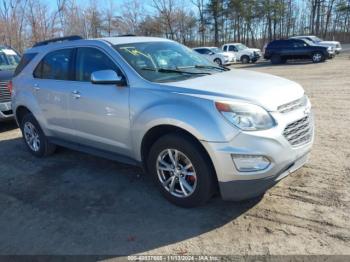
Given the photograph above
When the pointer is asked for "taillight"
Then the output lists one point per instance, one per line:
(9, 86)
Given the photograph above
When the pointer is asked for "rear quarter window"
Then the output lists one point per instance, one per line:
(279, 44)
(55, 65)
(25, 60)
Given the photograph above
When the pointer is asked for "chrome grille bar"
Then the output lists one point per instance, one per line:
(5, 94)
(291, 106)
(298, 132)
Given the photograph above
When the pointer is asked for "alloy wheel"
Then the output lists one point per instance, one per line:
(176, 173)
(317, 57)
(31, 136)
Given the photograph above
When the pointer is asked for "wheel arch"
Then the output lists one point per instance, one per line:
(158, 131)
(243, 56)
(20, 112)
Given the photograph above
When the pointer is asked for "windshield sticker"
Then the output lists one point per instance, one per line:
(134, 51)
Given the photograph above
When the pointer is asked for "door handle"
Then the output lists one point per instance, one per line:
(36, 87)
(76, 94)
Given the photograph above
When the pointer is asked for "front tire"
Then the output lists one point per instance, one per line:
(245, 59)
(317, 57)
(218, 61)
(181, 170)
(34, 138)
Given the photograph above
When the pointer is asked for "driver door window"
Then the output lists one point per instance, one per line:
(90, 60)
(232, 48)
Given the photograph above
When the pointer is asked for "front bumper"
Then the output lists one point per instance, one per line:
(331, 55)
(6, 111)
(229, 61)
(255, 57)
(284, 158)
(246, 189)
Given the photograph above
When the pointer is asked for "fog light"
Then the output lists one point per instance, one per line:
(250, 163)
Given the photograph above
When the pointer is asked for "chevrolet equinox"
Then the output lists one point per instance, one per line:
(195, 127)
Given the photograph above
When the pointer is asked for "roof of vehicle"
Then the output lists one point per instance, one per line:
(208, 47)
(233, 44)
(132, 39)
(111, 40)
(286, 40)
(303, 36)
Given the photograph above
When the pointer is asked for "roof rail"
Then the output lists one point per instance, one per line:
(126, 35)
(59, 39)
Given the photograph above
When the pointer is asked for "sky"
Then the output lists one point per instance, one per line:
(101, 3)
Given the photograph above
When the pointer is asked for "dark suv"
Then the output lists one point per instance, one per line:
(279, 51)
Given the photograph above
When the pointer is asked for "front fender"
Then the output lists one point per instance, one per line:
(194, 115)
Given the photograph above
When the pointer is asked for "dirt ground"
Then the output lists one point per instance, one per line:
(73, 203)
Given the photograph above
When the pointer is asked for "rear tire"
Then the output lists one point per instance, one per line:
(245, 59)
(276, 59)
(181, 170)
(34, 138)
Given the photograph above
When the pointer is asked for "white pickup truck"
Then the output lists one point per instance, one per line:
(243, 53)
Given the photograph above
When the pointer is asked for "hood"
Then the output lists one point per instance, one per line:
(255, 49)
(262, 89)
(6, 75)
(230, 54)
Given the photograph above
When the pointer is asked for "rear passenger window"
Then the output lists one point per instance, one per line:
(55, 65)
(25, 60)
(90, 60)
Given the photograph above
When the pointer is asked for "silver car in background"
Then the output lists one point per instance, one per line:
(193, 126)
(216, 55)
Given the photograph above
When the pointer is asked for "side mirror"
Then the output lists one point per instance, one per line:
(106, 77)
(211, 53)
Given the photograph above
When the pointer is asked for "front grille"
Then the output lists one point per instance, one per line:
(291, 106)
(299, 132)
(5, 95)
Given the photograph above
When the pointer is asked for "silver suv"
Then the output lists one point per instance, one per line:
(193, 126)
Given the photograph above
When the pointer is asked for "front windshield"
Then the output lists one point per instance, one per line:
(9, 59)
(241, 47)
(166, 61)
(309, 42)
(316, 39)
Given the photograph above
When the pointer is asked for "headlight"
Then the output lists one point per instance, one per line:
(245, 116)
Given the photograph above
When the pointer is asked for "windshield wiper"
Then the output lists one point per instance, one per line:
(168, 70)
(212, 67)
